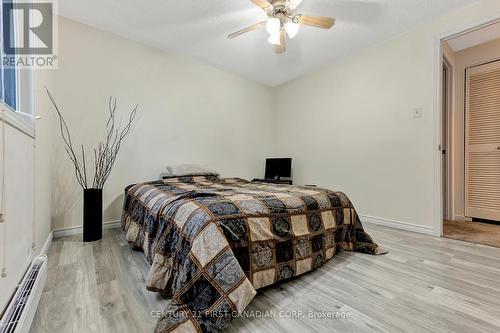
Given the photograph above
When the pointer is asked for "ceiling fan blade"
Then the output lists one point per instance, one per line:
(250, 28)
(317, 21)
(262, 4)
(282, 47)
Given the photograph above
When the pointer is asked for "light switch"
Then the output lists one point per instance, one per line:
(417, 113)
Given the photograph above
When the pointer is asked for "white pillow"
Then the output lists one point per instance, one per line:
(180, 170)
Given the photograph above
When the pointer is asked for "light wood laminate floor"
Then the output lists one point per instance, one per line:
(424, 284)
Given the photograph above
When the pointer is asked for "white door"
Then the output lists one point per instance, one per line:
(482, 142)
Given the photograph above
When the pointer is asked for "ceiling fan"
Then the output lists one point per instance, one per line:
(282, 21)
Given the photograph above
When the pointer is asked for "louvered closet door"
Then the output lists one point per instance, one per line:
(482, 142)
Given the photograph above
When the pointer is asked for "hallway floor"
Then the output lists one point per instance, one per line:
(474, 232)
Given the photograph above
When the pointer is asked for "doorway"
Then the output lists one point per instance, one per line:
(469, 135)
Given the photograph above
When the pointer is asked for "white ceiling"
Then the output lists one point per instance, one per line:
(198, 29)
(476, 37)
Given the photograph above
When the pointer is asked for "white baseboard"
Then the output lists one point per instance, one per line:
(79, 229)
(397, 225)
(48, 242)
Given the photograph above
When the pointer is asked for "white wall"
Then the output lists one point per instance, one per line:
(27, 194)
(188, 112)
(353, 126)
(44, 132)
(17, 231)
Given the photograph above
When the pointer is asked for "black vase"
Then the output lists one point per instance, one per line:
(92, 214)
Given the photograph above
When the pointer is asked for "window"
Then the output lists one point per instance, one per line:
(8, 76)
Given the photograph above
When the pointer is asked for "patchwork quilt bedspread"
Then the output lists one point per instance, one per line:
(213, 241)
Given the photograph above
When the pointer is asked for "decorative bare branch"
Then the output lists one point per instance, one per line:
(106, 152)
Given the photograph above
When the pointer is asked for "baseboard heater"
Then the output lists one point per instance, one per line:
(19, 314)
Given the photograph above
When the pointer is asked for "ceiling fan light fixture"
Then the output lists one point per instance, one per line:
(274, 38)
(273, 26)
(283, 22)
(292, 29)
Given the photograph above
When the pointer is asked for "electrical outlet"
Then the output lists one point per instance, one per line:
(417, 113)
(4, 272)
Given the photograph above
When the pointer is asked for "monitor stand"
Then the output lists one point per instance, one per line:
(274, 181)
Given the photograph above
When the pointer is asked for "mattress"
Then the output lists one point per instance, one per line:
(212, 242)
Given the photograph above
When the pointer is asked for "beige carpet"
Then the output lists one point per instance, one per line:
(474, 232)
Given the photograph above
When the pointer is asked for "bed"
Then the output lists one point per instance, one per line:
(212, 242)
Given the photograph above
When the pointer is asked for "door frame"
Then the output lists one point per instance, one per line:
(438, 116)
(446, 109)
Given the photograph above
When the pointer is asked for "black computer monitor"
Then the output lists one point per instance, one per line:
(277, 168)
